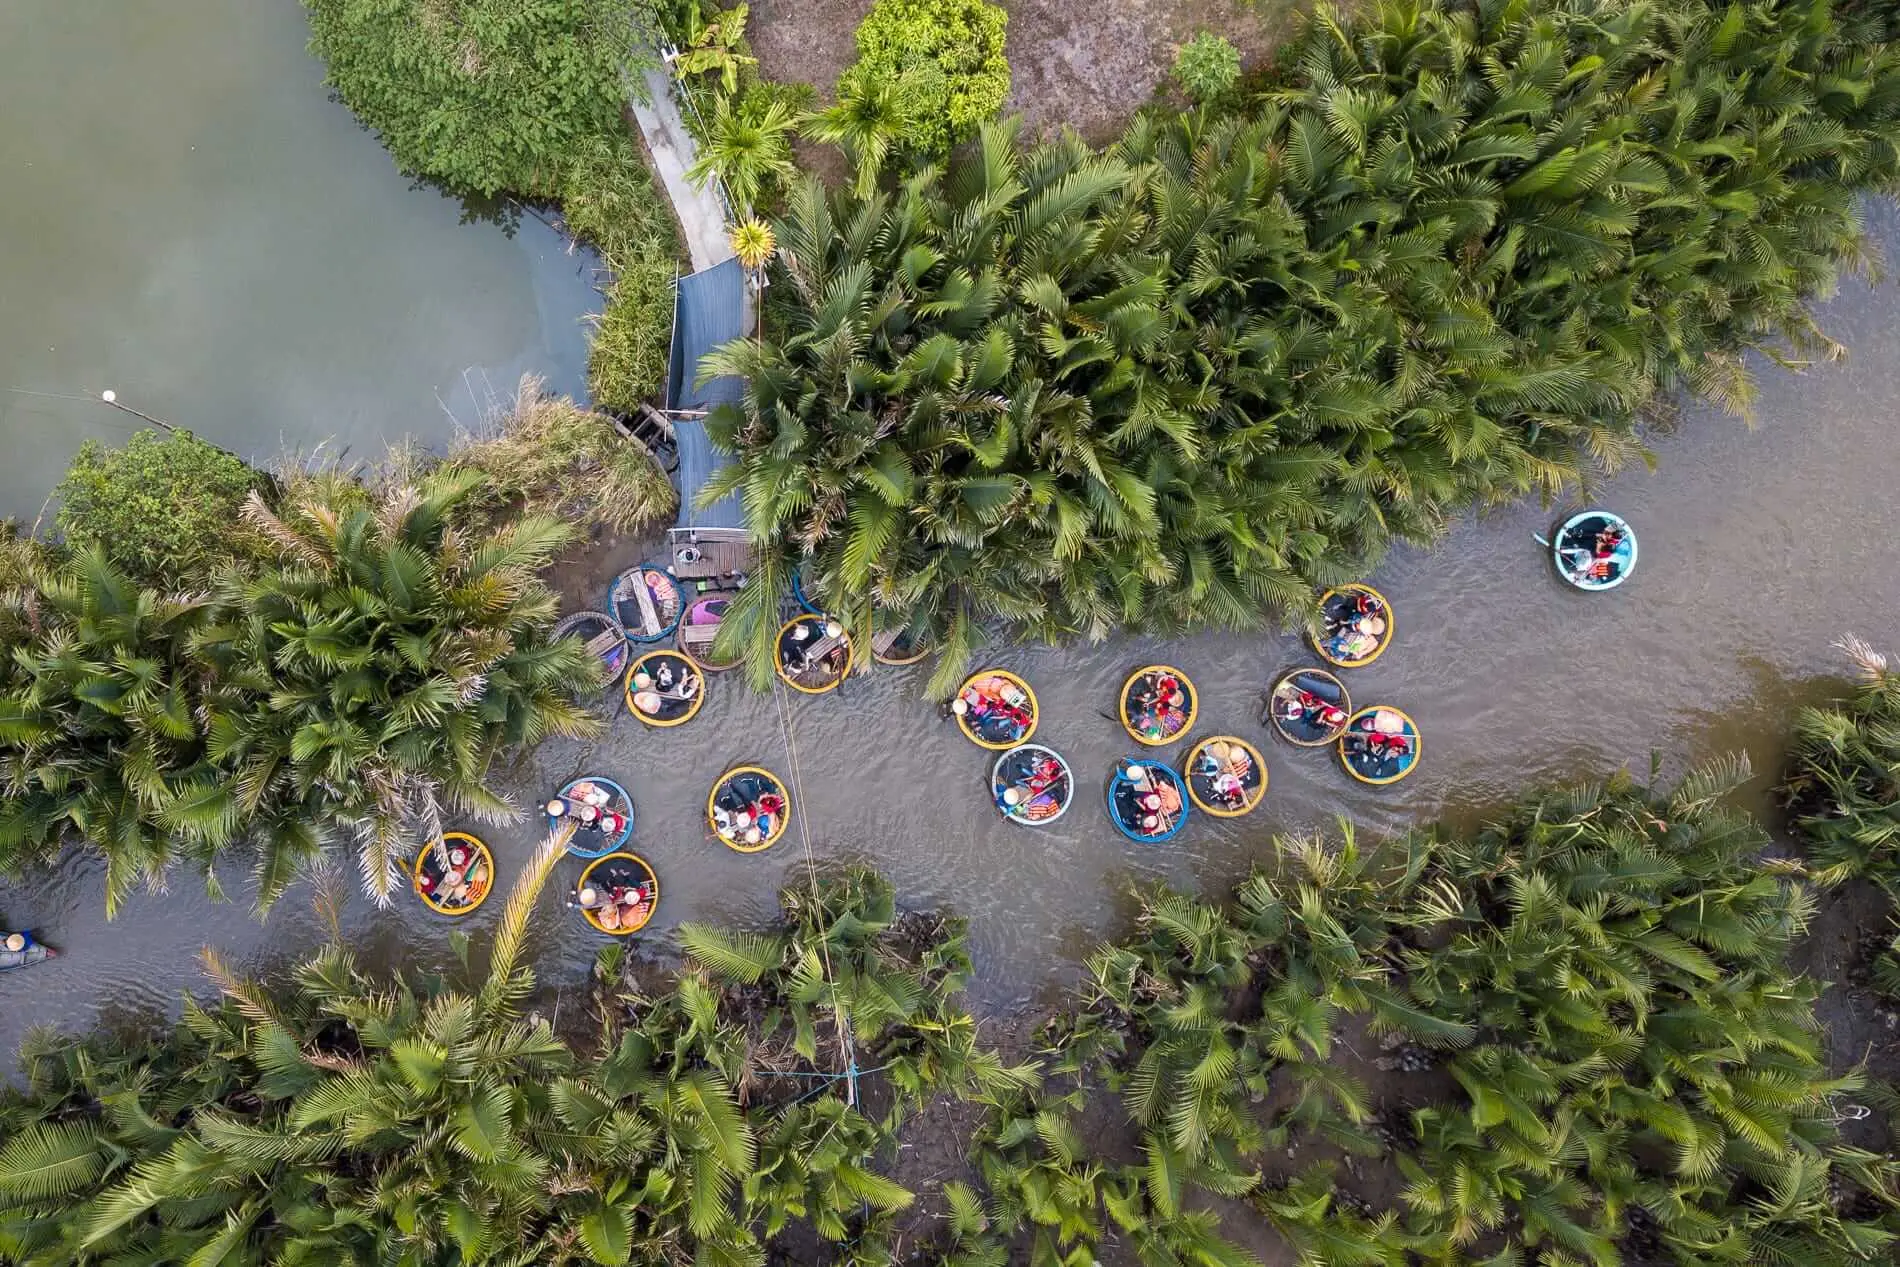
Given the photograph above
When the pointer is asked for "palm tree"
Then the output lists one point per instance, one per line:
(370, 674)
(1843, 780)
(753, 242)
(100, 739)
(867, 123)
(748, 149)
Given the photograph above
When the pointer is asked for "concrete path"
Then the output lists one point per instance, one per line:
(700, 212)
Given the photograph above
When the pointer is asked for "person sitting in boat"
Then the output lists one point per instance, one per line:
(767, 808)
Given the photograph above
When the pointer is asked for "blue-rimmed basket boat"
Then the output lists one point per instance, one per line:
(586, 842)
(1381, 745)
(32, 950)
(603, 637)
(1573, 548)
(1309, 708)
(1032, 785)
(1132, 781)
(646, 601)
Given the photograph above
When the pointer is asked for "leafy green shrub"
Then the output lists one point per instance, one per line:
(612, 202)
(1207, 67)
(944, 58)
(1843, 782)
(484, 96)
(163, 508)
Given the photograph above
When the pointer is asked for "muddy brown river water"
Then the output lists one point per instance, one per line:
(1758, 547)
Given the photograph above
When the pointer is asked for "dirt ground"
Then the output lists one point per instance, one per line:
(1085, 66)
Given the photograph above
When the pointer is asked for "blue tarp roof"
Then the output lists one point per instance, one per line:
(708, 309)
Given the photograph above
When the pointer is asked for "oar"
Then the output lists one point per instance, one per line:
(1539, 539)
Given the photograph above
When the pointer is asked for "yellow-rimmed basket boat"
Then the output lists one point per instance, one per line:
(898, 647)
(1158, 705)
(1309, 708)
(995, 709)
(1356, 625)
(673, 691)
(813, 654)
(749, 809)
(456, 879)
(624, 892)
(1381, 745)
(1226, 776)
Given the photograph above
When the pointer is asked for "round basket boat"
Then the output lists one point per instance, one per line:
(742, 812)
(457, 888)
(1130, 786)
(898, 647)
(608, 827)
(665, 688)
(618, 894)
(25, 952)
(1225, 776)
(995, 709)
(1356, 626)
(1032, 785)
(1594, 550)
(1158, 704)
(1309, 708)
(813, 654)
(699, 626)
(603, 637)
(646, 602)
(1381, 745)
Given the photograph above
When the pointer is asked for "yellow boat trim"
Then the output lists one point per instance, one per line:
(897, 663)
(699, 697)
(1391, 626)
(1260, 764)
(1035, 711)
(652, 907)
(778, 661)
(1416, 736)
(785, 819)
(453, 912)
(1194, 706)
(1345, 702)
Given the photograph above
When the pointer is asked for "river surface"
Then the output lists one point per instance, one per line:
(191, 223)
(1759, 546)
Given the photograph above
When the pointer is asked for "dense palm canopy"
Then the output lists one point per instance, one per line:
(362, 677)
(1602, 1055)
(350, 1120)
(1843, 779)
(1235, 355)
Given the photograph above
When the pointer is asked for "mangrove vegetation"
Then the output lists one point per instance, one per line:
(1445, 258)
(1570, 1038)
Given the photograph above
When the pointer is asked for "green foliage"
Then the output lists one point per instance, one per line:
(717, 46)
(1594, 1051)
(1207, 68)
(613, 203)
(340, 1118)
(748, 147)
(549, 457)
(163, 509)
(483, 96)
(943, 62)
(1186, 381)
(363, 676)
(1843, 781)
